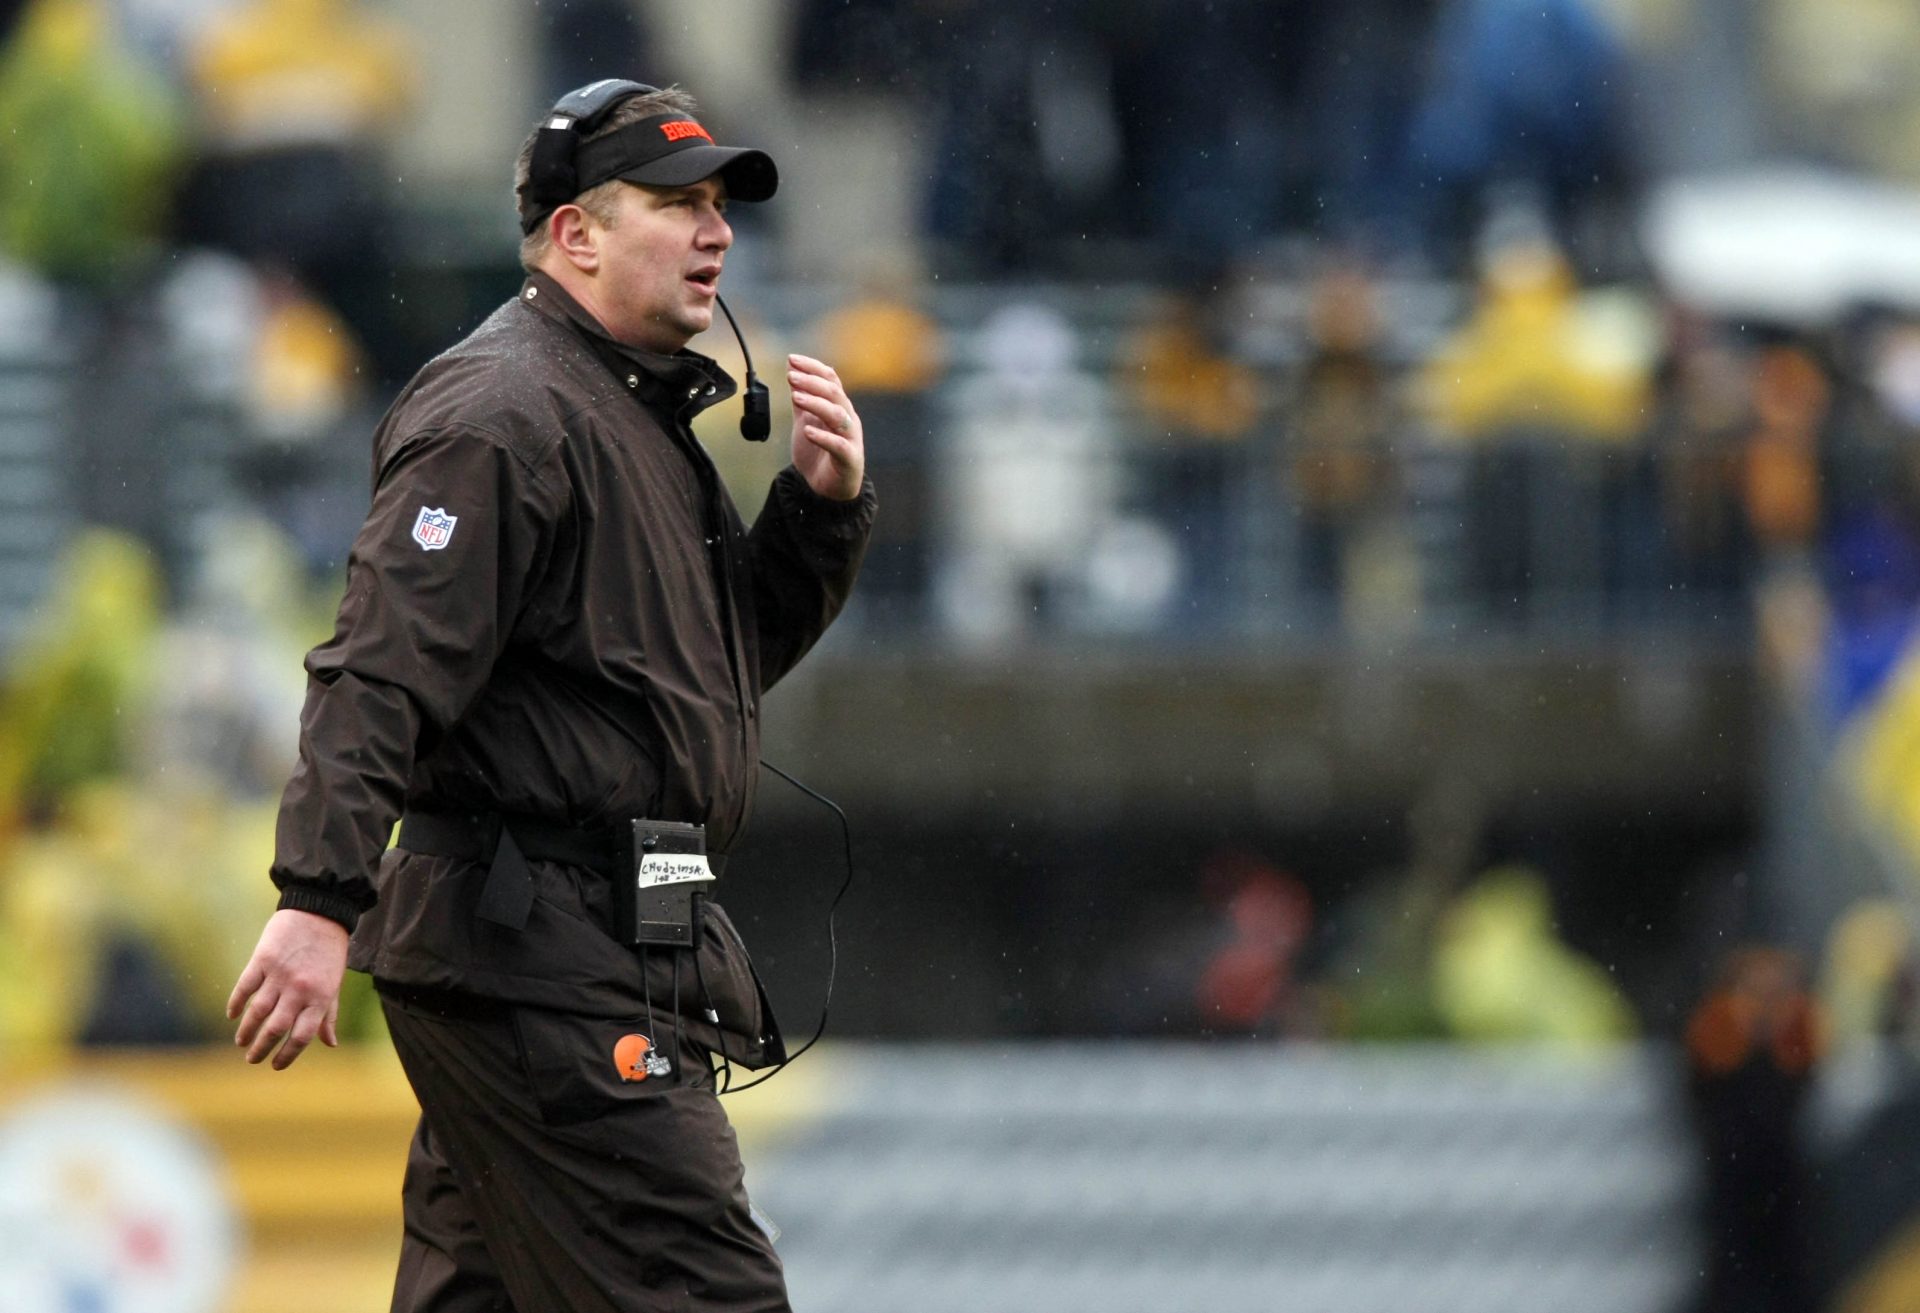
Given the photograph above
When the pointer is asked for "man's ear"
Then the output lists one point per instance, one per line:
(575, 235)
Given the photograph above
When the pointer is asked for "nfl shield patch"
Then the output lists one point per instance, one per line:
(433, 529)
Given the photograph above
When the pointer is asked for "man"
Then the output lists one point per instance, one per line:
(556, 623)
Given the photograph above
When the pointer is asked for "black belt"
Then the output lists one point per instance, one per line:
(479, 835)
(508, 843)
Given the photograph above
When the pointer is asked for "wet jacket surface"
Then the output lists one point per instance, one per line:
(553, 610)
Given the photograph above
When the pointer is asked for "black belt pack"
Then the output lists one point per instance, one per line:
(657, 900)
(658, 870)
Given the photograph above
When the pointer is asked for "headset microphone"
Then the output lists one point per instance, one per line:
(756, 422)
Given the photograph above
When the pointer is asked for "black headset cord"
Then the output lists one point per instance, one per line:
(833, 942)
(713, 1017)
(756, 421)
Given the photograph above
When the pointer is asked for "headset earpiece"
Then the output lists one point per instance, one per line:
(551, 176)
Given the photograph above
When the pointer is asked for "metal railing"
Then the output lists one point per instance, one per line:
(1033, 498)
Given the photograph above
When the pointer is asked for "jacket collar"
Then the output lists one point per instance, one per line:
(684, 383)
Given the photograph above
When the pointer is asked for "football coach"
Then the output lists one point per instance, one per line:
(548, 670)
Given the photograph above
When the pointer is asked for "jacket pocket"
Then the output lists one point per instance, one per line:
(580, 1068)
(740, 1010)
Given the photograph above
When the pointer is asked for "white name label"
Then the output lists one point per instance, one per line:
(673, 868)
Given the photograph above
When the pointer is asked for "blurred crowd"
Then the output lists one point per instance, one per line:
(1207, 131)
(1361, 335)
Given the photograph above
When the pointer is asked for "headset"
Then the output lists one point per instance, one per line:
(553, 180)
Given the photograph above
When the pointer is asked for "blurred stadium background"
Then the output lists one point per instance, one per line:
(1381, 720)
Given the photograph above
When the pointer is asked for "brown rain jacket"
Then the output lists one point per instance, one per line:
(552, 610)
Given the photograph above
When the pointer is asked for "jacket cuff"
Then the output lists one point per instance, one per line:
(811, 503)
(335, 907)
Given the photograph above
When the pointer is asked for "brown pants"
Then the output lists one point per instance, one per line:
(540, 1182)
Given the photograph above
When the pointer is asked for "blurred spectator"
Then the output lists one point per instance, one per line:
(1537, 356)
(50, 917)
(1894, 376)
(584, 40)
(1181, 374)
(889, 342)
(1385, 974)
(1030, 477)
(862, 45)
(124, 913)
(1881, 755)
(891, 355)
(1221, 954)
(1248, 984)
(307, 370)
(226, 702)
(1196, 405)
(304, 412)
(68, 724)
(1365, 82)
(1537, 374)
(1872, 578)
(1867, 989)
(1212, 102)
(1237, 120)
(296, 98)
(80, 678)
(1526, 95)
(135, 761)
(1501, 973)
(1869, 470)
(90, 148)
(1841, 75)
(1781, 476)
(1752, 1045)
(1873, 358)
(1701, 401)
(1344, 416)
(988, 209)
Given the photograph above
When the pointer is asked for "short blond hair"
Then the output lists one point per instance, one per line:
(598, 201)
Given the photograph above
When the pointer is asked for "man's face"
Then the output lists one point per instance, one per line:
(660, 263)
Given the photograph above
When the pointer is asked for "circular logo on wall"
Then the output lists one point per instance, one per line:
(108, 1207)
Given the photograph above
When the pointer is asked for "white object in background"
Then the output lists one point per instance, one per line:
(106, 1206)
(1798, 245)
